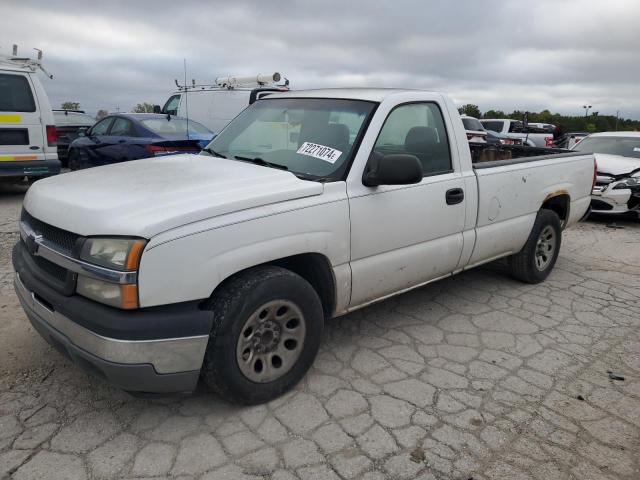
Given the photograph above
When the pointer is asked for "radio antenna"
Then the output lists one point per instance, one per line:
(186, 96)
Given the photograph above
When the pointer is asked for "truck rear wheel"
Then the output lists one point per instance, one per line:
(538, 256)
(268, 324)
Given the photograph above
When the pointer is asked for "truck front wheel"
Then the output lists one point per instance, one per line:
(268, 324)
(534, 262)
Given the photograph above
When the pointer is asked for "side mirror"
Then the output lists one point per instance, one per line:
(82, 131)
(393, 169)
(157, 109)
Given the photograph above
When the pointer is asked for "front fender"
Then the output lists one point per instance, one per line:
(192, 266)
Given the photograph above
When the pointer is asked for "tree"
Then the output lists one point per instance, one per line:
(101, 114)
(143, 108)
(70, 106)
(493, 114)
(471, 110)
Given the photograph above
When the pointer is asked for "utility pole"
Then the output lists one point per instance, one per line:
(586, 110)
(617, 117)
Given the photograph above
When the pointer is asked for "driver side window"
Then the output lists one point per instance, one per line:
(102, 127)
(171, 107)
(417, 129)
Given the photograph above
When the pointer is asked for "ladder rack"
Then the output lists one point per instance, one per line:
(24, 62)
(232, 82)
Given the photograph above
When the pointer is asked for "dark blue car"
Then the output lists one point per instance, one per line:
(130, 136)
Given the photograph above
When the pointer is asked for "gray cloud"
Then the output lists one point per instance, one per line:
(555, 54)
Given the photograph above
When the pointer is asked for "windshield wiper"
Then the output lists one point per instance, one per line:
(211, 151)
(261, 161)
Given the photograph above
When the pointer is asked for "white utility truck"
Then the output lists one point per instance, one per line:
(216, 105)
(310, 204)
(27, 130)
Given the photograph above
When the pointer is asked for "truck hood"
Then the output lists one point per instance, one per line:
(616, 164)
(145, 197)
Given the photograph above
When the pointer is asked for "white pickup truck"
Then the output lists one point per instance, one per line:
(310, 204)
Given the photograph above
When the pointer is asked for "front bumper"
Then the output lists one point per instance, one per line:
(615, 201)
(133, 350)
(30, 168)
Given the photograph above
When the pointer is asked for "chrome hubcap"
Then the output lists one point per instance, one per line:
(545, 247)
(271, 341)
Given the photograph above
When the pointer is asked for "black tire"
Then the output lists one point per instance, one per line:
(73, 160)
(233, 306)
(526, 265)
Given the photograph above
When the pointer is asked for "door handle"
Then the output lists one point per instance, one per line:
(122, 141)
(454, 196)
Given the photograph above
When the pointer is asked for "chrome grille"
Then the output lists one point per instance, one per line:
(61, 238)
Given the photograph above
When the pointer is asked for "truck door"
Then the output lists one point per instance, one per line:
(22, 134)
(405, 235)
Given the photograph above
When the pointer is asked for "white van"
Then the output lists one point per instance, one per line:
(27, 129)
(216, 105)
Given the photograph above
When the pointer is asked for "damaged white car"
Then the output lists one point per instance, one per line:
(617, 188)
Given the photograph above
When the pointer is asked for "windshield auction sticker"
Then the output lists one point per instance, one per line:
(327, 154)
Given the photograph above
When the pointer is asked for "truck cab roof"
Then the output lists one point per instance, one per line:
(368, 94)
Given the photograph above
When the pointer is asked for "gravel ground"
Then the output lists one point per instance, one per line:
(477, 377)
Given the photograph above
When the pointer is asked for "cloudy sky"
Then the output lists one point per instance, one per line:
(506, 54)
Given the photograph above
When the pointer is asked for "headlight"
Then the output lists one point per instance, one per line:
(113, 294)
(122, 254)
(115, 253)
(627, 183)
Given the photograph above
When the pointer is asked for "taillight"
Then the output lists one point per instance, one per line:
(52, 135)
(595, 173)
(548, 141)
(507, 141)
(157, 150)
(154, 149)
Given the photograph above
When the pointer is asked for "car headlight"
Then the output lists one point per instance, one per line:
(113, 294)
(115, 253)
(121, 254)
(627, 183)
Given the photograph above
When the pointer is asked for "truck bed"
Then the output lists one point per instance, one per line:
(511, 190)
(485, 156)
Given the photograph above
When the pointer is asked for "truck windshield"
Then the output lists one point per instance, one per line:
(471, 123)
(311, 137)
(624, 146)
(491, 125)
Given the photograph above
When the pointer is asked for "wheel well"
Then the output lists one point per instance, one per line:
(315, 269)
(560, 205)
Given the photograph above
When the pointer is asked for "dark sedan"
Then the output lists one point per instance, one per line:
(131, 136)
